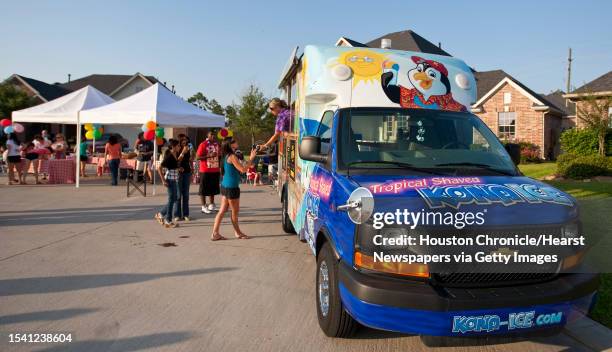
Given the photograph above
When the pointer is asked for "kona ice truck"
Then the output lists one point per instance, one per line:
(377, 130)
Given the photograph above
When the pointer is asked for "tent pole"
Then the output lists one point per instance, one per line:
(154, 162)
(78, 153)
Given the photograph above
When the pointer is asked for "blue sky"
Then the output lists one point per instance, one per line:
(219, 47)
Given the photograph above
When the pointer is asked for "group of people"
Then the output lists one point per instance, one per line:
(19, 157)
(220, 169)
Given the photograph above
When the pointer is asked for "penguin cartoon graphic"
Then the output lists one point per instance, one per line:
(432, 89)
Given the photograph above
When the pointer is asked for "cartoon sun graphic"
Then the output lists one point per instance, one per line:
(366, 65)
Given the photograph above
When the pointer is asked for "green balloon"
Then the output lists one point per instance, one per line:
(97, 133)
(159, 132)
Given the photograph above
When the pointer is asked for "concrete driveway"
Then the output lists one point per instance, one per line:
(89, 262)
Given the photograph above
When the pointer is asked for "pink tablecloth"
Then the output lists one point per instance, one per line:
(102, 165)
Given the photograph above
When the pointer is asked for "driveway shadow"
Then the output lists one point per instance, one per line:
(45, 315)
(126, 344)
(36, 285)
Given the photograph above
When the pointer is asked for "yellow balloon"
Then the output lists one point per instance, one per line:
(89, 127)
(89, 135)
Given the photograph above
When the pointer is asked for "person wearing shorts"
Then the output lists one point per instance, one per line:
(13, 158)
(31, 157)
(210, 173)
(83, 158)
(232, 167)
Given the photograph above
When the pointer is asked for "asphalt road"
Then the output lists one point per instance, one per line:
(89, 262)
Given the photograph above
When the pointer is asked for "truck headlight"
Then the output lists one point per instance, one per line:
(390, 240)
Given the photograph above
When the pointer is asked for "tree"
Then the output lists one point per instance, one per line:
(12, 98)
(251, 116)
(594, 111)
(198, 100)
(201, 101)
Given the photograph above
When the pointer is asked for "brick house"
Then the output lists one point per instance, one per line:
(516, 113)
(512, 110)
(599, 87)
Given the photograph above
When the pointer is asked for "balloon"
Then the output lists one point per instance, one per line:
(101, 129)
(159, 141)
(96, 126)
(149, 135)
(224, 133)
(5, 122)
(8, 129)
(18, 127)
(89, 127)
(144, 128)
(89, 134)
(151, 125)
(159, 132)
(97, 134)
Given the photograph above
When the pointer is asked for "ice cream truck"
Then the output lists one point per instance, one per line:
(378, 131)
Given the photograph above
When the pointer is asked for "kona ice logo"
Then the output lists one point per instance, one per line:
(488, 323)
(507, 194)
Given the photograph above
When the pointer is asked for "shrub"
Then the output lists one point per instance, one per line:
(530, 153)
(583, 166)
(583, 141)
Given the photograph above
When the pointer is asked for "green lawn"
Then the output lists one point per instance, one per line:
(538, 171)
(595, 200)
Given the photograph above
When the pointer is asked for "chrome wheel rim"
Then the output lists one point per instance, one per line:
(324, 289)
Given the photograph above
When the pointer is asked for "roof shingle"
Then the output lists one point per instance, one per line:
(602, 83)
(104, 83)
(409, 41)
(45, 90)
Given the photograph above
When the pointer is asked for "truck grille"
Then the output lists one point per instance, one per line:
(489, 279)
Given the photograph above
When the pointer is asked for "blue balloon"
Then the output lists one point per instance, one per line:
(8, 129)
(144, 128)
(96, 126)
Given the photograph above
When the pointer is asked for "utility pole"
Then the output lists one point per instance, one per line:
(569, 75)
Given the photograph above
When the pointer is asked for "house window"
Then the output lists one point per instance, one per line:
(395, 126)
(610, 117)
(506, 125)
(507, 98)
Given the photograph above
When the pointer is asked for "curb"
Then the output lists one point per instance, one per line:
(590, 333)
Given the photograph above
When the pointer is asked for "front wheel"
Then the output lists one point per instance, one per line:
(334, 320)
(285, 220)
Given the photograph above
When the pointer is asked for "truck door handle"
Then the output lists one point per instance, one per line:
(349, 205)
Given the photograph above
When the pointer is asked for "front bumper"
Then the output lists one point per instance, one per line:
(416, 307)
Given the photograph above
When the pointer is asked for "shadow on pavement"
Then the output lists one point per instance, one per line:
(106, 214)
(45, 315)
(36, 285)
(126, 344)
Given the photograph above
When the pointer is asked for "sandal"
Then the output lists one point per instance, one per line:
(242, 236)
(159, 218)
(217, 237)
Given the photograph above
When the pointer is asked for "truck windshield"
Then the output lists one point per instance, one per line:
(420, 139)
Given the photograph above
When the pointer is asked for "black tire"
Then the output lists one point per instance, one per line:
(285, 220)
(336, 322)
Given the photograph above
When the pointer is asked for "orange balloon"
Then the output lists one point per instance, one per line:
(159, 141)
(151, 125)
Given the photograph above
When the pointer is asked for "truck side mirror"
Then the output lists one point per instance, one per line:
(515, 152)
(310, 149)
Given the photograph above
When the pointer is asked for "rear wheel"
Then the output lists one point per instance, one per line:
(334, 320)
(285, 220)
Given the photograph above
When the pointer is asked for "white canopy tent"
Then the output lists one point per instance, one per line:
(155, 103)
(65, 110)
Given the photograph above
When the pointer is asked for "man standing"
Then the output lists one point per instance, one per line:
(208, 154)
